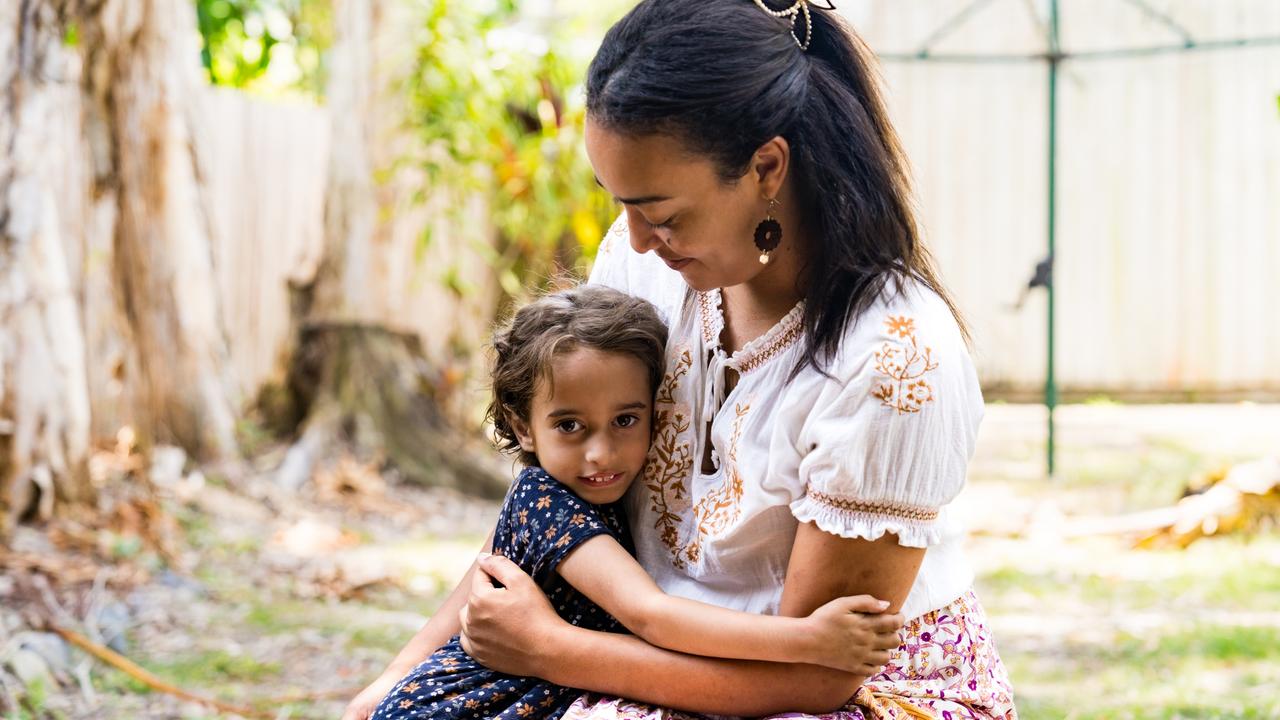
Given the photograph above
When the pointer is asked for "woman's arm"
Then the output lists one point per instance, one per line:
(513, 629)
(837, 635)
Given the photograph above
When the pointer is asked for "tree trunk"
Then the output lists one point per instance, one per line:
(355, 385)
(133, 178)
(44, 395)
(140, 78)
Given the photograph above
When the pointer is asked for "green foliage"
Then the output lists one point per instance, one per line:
(497, 101)
(265, 45)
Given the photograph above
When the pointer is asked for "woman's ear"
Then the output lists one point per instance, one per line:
(521, 429)
(770, 166)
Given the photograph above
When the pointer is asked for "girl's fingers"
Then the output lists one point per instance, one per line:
(886, 641)
(887, 623)
(862, 604)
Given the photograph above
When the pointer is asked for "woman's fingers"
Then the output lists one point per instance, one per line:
(503, 570)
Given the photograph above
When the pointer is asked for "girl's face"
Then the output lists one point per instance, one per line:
(678, 206)
(590, 425)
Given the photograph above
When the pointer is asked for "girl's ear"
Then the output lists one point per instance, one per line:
(521, 429)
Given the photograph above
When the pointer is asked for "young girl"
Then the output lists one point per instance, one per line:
(573, 393)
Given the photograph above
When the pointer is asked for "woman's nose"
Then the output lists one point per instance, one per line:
(644, 239)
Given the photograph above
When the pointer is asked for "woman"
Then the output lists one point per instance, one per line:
(819, 407)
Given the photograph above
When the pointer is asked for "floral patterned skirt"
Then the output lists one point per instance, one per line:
(946, 668)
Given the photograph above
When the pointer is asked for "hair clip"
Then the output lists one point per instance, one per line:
(798, 9)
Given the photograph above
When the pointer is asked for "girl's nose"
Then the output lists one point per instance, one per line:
(599, 452)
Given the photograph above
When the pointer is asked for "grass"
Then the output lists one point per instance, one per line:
(1091, 628)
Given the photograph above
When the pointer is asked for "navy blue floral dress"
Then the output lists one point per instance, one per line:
(541, 522)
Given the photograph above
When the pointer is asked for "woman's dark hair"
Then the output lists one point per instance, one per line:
(723, 77)
(588, 316)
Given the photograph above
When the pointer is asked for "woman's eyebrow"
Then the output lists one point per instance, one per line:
(643, 200)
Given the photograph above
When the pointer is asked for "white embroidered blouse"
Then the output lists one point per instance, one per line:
(881, 446)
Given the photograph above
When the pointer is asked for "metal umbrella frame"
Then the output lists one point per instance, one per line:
(1054, 56)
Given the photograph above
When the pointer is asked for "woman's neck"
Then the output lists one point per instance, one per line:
(753, 307)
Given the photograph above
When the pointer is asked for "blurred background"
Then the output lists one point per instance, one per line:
(251, 252)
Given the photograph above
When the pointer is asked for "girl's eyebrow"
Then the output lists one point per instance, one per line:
(643, 200)
(562, 412)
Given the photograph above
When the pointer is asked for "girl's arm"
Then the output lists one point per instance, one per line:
(837, 635)
(513, 629)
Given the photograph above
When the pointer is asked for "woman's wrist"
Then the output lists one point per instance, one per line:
(556, 655)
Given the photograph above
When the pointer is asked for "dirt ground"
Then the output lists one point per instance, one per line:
(290, 602)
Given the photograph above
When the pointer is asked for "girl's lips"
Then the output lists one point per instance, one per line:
(676, 264)
(600, 479)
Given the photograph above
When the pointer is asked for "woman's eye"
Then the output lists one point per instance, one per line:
(664, 225)
(568, 426)
(627, 421)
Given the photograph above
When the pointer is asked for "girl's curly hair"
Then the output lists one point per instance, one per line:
(587, 316)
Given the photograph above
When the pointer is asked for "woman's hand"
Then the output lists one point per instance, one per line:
(363, 705)
(510, 629)
(853, 634)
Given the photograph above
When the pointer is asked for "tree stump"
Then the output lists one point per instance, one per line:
(370, 391)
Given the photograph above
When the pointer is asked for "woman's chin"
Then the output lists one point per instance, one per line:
(699, 281)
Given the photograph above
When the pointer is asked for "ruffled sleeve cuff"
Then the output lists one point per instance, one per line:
(848, 517)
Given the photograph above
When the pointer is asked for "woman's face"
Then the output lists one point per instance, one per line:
(678, 207)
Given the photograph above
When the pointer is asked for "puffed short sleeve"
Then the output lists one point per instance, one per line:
(887, 441)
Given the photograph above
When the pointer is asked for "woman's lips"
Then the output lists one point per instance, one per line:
(600, 479)
(676, 264)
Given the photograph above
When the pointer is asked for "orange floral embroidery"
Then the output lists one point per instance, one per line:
(406, 704)
(543, 503)
(902, 326)
(411, 687)
(670, 457)
(721, 507)
(905, 367)
(874, 507)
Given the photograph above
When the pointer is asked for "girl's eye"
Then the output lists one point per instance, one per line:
(627, 421)
(664, 225)
(568, 426)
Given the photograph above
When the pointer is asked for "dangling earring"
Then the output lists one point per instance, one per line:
(768, 234)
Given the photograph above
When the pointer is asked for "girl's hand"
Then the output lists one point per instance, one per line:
(853, 634)
(363, 705)
(510, 629)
